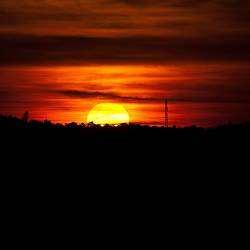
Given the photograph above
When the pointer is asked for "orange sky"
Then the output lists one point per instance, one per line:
(60, 58)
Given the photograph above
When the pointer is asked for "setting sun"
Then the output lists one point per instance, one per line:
(108, 113)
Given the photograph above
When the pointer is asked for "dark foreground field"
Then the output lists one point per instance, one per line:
(191, 176)
(78, 154)
(90, 144)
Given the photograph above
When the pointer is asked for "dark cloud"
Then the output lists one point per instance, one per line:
(185, 3)
(117, 14)
(102, 95)
(22, 50)
(186, 98)
(173, 3)
(228, 11)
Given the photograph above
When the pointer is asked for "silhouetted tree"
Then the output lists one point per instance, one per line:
(91, 124)
(47, 123)
(25, 117)
(72, 125)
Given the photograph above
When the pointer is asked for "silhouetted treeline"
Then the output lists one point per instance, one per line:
(23, 131)
(166, 160)
(11, 123)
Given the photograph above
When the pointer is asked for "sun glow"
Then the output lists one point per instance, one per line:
(108, 113)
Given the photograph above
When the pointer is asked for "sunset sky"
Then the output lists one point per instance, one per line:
(59, 58)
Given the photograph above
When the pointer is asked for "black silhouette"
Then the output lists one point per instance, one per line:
(90, 159)
(128, 137)
(26, 116)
